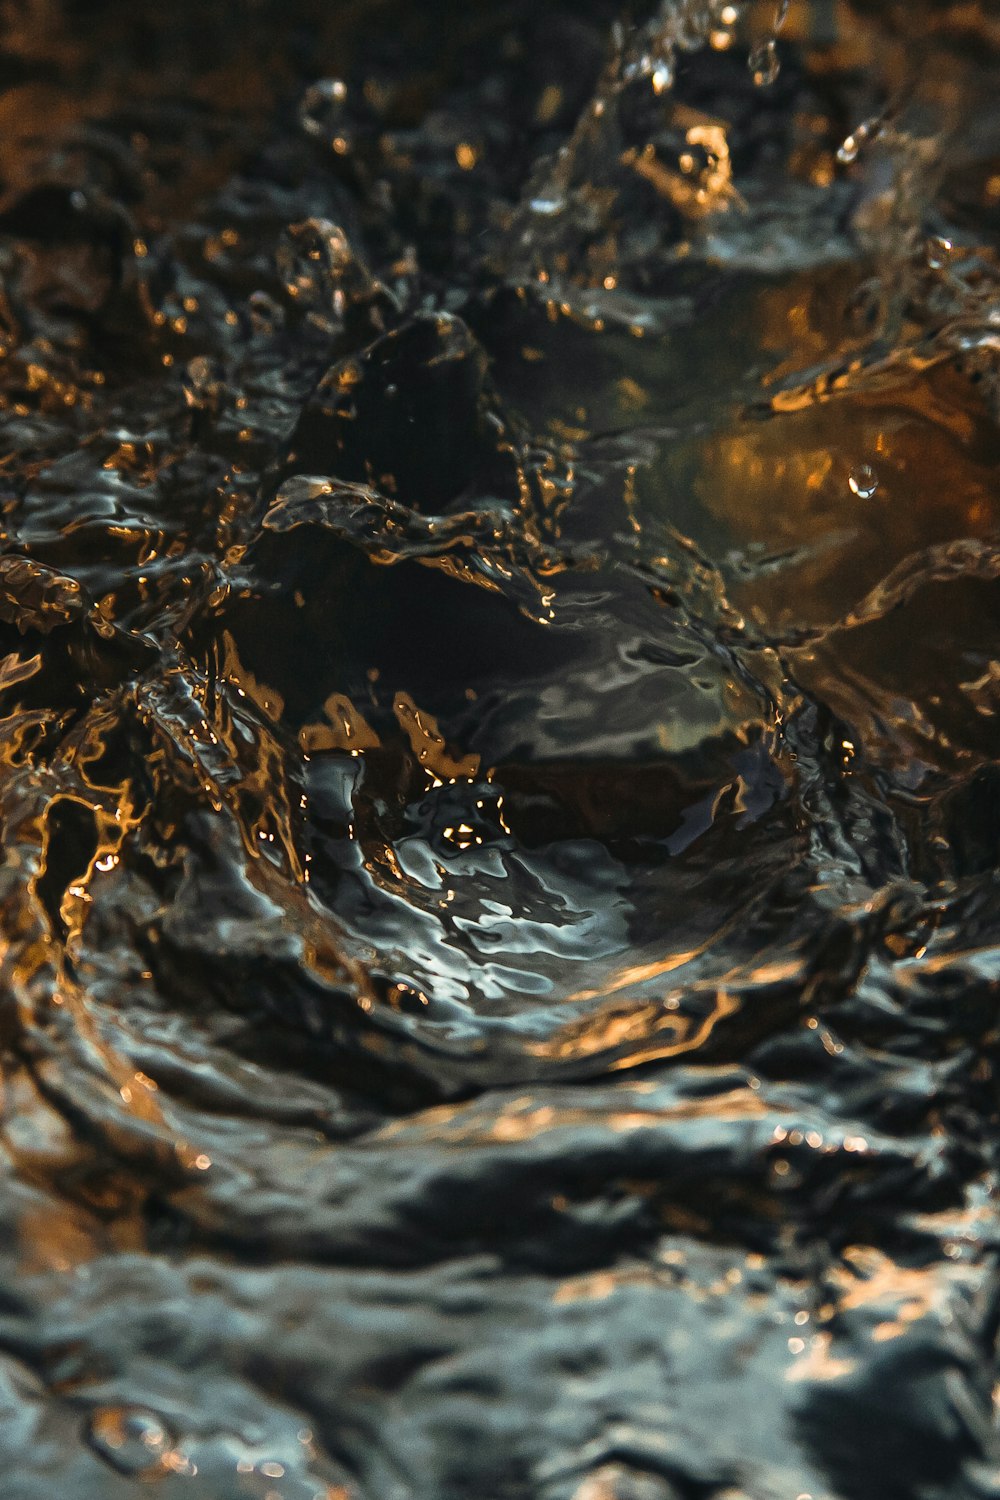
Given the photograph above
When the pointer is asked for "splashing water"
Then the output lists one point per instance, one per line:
(499, 899)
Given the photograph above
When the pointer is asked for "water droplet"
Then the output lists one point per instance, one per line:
(642, 66)
(663, 77)
(939, 251)
(321, 110)
(852, 145)
(321, 272)
(548, 205)
(764, 63)
(129, 1438)
(863, 481)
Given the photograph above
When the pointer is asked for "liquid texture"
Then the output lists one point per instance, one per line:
(499, 788)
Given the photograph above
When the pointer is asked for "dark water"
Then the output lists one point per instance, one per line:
(500, 802)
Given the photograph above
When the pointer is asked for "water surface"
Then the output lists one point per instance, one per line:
(499, 787)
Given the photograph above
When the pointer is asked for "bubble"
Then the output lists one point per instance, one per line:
(764, 64)
(129, 1438)
(863, 481)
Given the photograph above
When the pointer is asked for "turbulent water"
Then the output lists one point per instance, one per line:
(499, 787)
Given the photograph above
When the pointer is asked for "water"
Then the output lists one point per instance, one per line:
(499, 785)
(863, 481)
